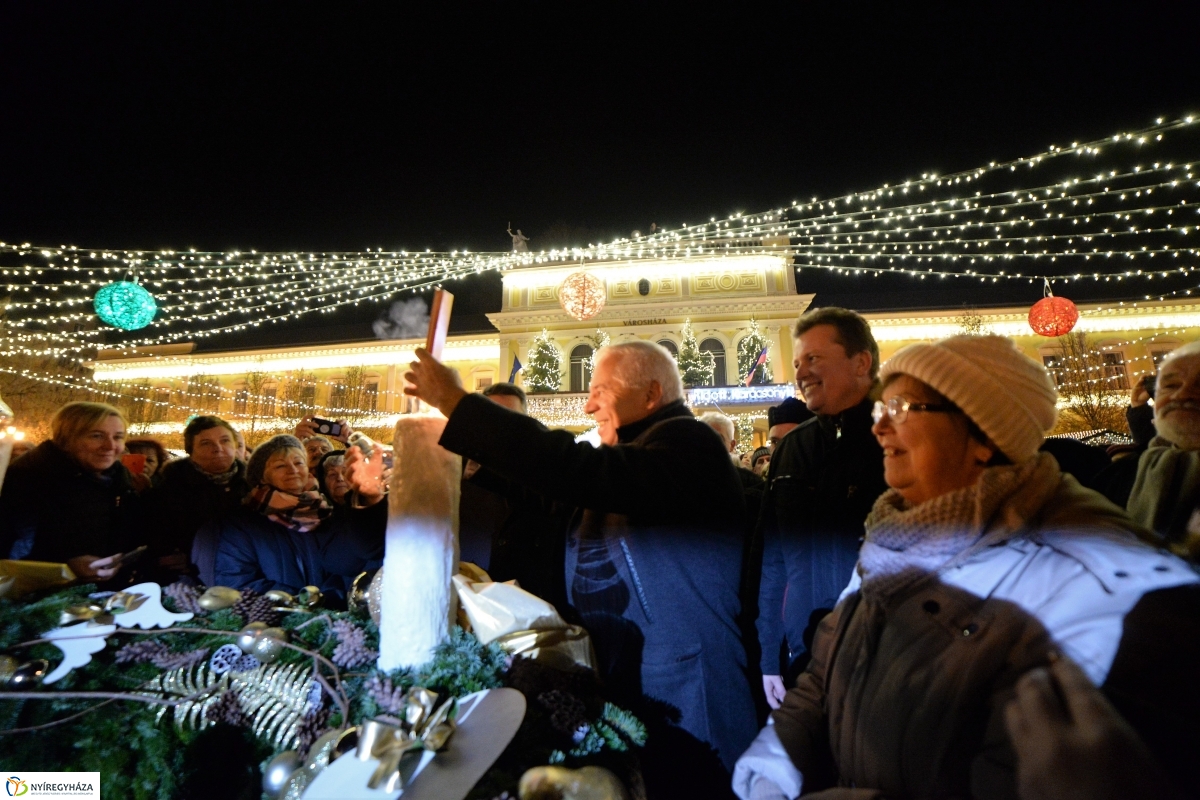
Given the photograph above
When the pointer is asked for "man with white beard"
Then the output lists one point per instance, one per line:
(1166, 492)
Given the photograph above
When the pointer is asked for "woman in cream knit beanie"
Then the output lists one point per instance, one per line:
(1008, 395)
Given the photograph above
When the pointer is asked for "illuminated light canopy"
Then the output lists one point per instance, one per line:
(1122, 210)
(1053, 316)
(125, 305)
(582, 295)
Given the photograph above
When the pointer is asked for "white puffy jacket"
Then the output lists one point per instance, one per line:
(1079, 585)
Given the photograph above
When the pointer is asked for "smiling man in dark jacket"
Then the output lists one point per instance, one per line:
(653, 555)
(825, 475)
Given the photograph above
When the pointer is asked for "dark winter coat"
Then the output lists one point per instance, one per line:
(480, 517)
(824, 477)
(653, 563)
(253, 552)
(1116, 481)
(185, 501)
(52, 510)
(529, 546)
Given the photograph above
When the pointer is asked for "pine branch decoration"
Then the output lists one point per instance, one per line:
(626, 723)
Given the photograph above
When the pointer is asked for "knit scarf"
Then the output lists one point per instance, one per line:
(221, 479)
(905, 544)
(298, 513)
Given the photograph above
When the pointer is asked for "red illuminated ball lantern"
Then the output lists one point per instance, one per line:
(1053, 316)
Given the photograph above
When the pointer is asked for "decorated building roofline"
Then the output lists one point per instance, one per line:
(472, 347)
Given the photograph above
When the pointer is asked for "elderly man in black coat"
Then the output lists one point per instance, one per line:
(653, 556)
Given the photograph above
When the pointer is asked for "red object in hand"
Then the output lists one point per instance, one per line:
(134, 462)
(1053, 316)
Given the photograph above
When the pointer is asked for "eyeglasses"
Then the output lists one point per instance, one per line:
(897, 409)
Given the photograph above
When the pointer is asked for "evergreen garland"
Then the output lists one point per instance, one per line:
(696, 366)
(145, 759)
(543, 373)
(748, 349)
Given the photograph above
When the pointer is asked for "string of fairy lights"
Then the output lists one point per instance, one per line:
(1122, 209)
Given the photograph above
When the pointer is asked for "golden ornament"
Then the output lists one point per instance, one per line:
(358, 599)
(560, 783)
(278, 770)
(29, 675)
(310, 597)
(8, 666)
(324, 751)
(216, 598)
(248, 635)
(268, 644)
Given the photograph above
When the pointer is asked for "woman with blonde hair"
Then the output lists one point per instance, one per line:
(982, 563)
(71, 500)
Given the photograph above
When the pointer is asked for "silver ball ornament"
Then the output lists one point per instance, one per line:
(374, 597)
(278, 770)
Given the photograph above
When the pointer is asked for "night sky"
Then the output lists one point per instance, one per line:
(293, 127)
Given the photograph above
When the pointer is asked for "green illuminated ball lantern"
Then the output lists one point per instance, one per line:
(125, 305)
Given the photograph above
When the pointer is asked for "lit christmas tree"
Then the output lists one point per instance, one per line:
(696, 366)
(749, 349)
(601, 339)
(543, 373)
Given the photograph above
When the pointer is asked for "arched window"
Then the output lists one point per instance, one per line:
(671, 348)
(581, 374)
(715, 347)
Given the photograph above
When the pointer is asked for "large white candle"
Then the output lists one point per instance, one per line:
(417, 604)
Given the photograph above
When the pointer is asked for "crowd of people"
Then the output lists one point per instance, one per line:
(908, 592)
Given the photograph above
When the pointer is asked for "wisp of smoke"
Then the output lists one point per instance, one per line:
(406, 319)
